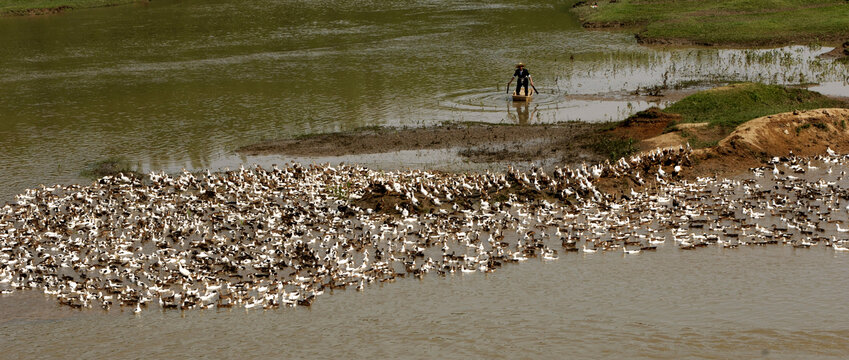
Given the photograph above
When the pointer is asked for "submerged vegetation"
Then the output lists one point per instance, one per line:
(38, 7)
(725, 22)
(108, 167)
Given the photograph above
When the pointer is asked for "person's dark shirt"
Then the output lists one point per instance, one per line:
(521, 73)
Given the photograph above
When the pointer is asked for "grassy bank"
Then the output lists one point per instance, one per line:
(39, 7)
(723, 22)
(732, 105)
(706, 117)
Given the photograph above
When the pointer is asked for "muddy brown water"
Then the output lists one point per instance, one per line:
(169, 84)
(182, 84)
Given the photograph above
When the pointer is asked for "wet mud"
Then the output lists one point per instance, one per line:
(566, 142)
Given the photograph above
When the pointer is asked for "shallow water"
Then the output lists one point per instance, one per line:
(754, 302)
(182, 84)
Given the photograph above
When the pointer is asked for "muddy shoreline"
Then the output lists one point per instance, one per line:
(805, 133)
(568, 142)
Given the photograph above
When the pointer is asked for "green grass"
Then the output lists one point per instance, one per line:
(24, 7)
(733, 105)
(726, 22)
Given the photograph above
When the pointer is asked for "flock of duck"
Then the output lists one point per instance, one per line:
(266, 238)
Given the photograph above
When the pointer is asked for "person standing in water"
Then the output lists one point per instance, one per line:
(524, 77)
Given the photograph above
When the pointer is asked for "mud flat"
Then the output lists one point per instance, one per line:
(477, 142)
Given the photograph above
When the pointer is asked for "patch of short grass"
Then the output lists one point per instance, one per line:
(725, 22)
(733, 105)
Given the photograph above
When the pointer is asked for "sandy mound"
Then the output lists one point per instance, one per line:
(804, 133)
(671, 139)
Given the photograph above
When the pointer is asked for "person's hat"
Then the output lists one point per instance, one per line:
(520, 64)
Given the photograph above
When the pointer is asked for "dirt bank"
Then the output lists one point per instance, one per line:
(804, 133)
(749, 145)
(476, 142)
(648, 127)
(839, 52)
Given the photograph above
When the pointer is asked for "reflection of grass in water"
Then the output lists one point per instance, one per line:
(640, 57)
(360, 129)
(776, 66)
(733, 105)
(108, 167)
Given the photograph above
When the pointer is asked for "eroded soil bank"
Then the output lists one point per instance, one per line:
(803, 133)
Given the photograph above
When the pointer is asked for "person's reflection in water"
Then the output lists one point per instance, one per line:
(523, 115)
